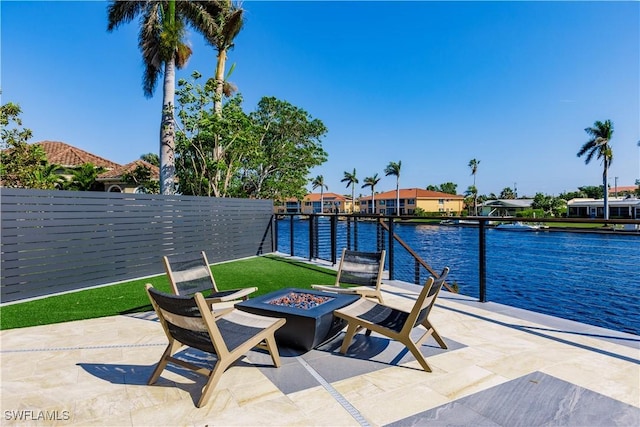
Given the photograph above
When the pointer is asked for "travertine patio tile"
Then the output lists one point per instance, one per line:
(97, 371)
(463, 382)
(462, 358)
(386, 407)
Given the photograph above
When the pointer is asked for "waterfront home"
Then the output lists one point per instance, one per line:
(333, 203)
(619, 207)
(504, 207)
(412, 199)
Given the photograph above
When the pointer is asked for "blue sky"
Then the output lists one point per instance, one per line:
(431, 84)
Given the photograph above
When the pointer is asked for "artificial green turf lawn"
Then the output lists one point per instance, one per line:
(267, 273)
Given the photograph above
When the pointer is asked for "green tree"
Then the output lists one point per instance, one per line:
(351, 180)
(210, 146)
(372, 181)
(22, 165)
(163, 47)
(265, 154)
(151, 158)
(445, 187)
(473, 164)
(201, 171)
(507, 193)
(550, 205)
(141, 177)
(471, 198)
(449, 188)
(574, 195)
(84, 178)
(316, 182)
(286, 146)
(393, 169)
(47, 177)
(599, 146)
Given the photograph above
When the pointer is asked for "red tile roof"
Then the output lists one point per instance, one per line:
(128, 168)
(620, 189)
(315, 197)
(414, 193)
(65, 155)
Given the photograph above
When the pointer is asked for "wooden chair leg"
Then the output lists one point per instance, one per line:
(436, 335)
(217, 372)
(351, 331)
(272, 348)
(162, 363)
(418, 356)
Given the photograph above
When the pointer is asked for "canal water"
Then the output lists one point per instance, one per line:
(588, 277)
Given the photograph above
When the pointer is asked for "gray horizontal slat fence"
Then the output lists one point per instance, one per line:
(55, 241)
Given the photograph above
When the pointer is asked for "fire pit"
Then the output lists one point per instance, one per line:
(309, 314)
(303, 300)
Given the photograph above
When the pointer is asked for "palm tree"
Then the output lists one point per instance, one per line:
(351, 180)
(472, 193)
(84, 178)
(393, 168)
(318, 181)
(224, 28)
(473, 164)
(507, 193)
(371, 181)
(161, 42)
(598, 146)
(151, 158)
(46, 177)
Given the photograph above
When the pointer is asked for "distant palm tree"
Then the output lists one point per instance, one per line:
(372, 181)
(473, 164)
(507, 193)
(351, 180)
(393, 168)
(316, 182)
(163, 48)
(151, 158)
(84, 178)
(46, 177)
(598, 146)
(471, 193)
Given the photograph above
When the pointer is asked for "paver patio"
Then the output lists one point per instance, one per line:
(504, 366)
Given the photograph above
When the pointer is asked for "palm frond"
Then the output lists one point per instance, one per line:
(150, 43)
(122, 12)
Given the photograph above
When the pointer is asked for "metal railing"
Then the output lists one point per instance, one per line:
(515, 268)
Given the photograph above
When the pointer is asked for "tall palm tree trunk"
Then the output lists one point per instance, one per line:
(475, 196)
(219, 78)
(398, 196)
(606, 190)
(353, 198)
(167, 131)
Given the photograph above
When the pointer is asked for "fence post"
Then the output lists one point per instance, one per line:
(482, 259)
(334, 237)
(291, 240)
(349, 219)
(311, 242)
(390, 254)
(355, 234)
(416, 272)
(274, 233)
